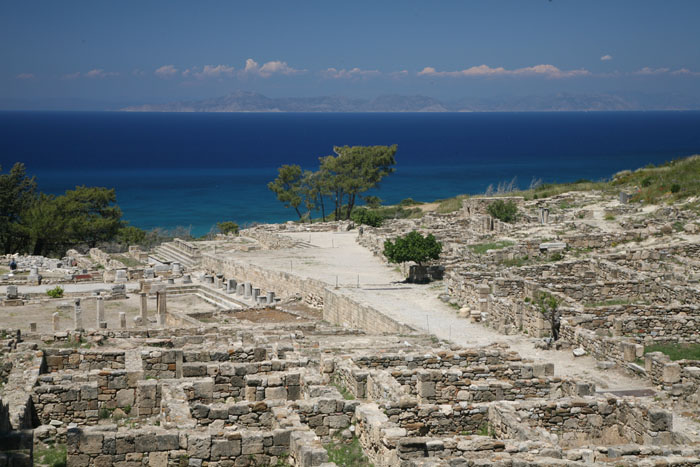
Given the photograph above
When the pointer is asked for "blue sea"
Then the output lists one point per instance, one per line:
(195, 169)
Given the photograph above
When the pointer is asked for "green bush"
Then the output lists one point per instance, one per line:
(503, 211)
(412, 247)
(409, 202)
(675, 188)
(56, 292)
(366, 217)
(55, 456)
(373, 201)
(227, 227)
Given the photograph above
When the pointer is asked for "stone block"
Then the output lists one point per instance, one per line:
(199, 446)
(671, 373)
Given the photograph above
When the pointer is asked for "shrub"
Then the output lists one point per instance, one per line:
(366, 217)
(675, 188)
(227, 227)
(503, 211)
(412, 247)
(409, 202)
(373, 201)
(56, 292)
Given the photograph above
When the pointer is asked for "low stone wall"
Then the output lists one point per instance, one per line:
(59, 398)
(432, 419)
(441, 359)
(584, 421)
(345, 311)
(325, 416)
(245, 414)
(159, 447)
(282, 283)
(83, 359)
(162, 363)
(444, 387)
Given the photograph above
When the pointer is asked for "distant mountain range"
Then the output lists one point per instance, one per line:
(242, 101)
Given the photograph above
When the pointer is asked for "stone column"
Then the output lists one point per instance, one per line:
(256, 294)
(56, 322)
(176, 269)
(240, 288)
(144, 308)
(186, 279)
(270, 298)
(162, 307)
(122, 320)
(217, 281)
(77, 316)
(231, 285)
(100, 311)
(248, 289)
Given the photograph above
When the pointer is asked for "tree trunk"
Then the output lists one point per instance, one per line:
(323, 208)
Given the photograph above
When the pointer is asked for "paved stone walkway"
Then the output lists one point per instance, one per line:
(338, 257)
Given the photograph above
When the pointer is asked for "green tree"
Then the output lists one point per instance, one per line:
(548, 306)
(227, 227)
(412, 247)
(503, 211)
(92, 214)
(287, 186)
(355, 170)
(130, 235)
(17, 194)
(366, 217)
(85, 215)
(372, 201)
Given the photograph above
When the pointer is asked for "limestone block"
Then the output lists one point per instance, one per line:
(671, 373)
(278, 392)
(199, 446)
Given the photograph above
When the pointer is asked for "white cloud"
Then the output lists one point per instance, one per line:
(686, 72)
(606, 58)
(652, 71)
(210, 71)
(349, 74)
(166, 71)
(548, 71)
(100, 73)
(270, 68)
(25, 76)
(71, 75)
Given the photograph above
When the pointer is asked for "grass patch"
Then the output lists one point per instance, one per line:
(676, 351)
(609, 217)
(674, 180)
(481, 248)
(128, 261)
(451, 204)
(54, 456)
(348, 454)
(347, 395)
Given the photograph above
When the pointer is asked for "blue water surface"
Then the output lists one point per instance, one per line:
(195, 169)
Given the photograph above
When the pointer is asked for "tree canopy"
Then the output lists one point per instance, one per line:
(412, 247)
(41, 224)
(342, 178)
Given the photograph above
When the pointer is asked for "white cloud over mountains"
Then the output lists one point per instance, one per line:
(166, 71)
(544, 70)
(268, 69)
(335, 73)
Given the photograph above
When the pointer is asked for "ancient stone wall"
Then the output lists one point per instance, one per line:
(83, 359)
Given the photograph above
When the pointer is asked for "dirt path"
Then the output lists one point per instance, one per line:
(336, 256)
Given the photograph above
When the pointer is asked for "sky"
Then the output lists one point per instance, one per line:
(101, 54)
